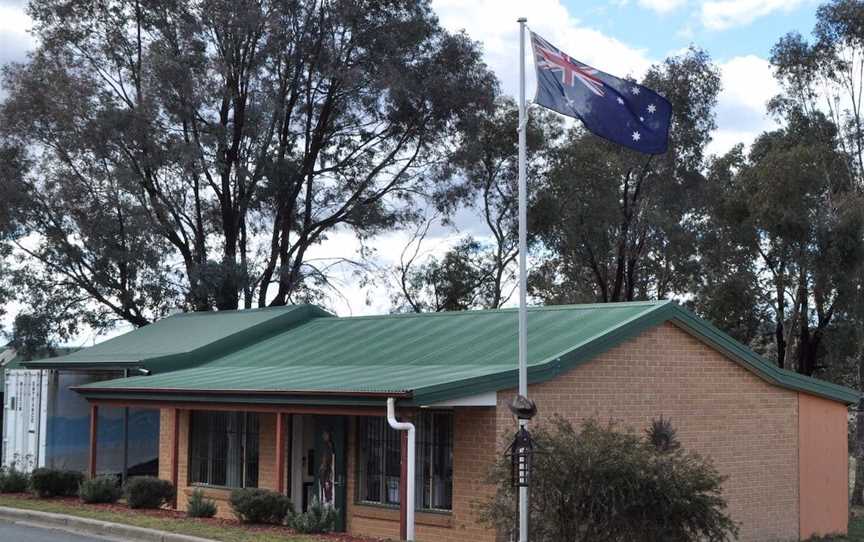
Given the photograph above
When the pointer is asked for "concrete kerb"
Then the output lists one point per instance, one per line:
(92, 526)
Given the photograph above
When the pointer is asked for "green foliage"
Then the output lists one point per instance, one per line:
(148, 492)
(318, 518)
(253, 505)
(645, 494)
(663, 435)
(102, 489)
(199, 506)
(55, 483)
(13, 481)
(615, 225)
(158, 185)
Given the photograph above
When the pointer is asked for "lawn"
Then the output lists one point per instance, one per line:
(165, 520)
(856, 529)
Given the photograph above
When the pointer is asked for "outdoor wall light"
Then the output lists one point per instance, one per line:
(521, 453)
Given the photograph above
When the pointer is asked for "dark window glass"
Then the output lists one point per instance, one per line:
(379, 461)
(223, 449)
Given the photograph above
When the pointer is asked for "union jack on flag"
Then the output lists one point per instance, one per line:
(616, 109)
(571, 70)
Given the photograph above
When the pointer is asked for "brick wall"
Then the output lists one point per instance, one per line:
(747, 426)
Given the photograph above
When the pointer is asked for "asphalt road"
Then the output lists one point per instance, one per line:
(16, 532)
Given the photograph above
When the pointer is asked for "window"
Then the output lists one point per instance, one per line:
(223, 449)
(379, 458)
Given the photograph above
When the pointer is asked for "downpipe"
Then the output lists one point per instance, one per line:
(405, 426)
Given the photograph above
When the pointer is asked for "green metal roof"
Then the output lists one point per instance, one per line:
(184, 339)
(428, 358)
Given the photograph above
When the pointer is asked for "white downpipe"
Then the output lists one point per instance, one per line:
(405, 426)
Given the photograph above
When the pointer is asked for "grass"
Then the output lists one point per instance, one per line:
(856, 529)
(214, 531)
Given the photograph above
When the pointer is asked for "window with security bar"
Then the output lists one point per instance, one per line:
(223, 448)
(379, 455)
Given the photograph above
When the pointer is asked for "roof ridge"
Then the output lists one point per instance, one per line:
(535, 308)
(234, 311)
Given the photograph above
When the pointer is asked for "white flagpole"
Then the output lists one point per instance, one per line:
(523, 249)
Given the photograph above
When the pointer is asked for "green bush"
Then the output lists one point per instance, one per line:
(55, 483)
(605, 485)
(101, 489)
(148, 492)
(198, 506)
(316, 519)
(13, 480)
(252, 505)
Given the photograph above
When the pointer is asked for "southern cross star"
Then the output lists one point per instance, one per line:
(620, 101)
(652, 108)
(635, 90)
(637, 136)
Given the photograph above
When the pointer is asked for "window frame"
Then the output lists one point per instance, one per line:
(424, 419)
(248, 439)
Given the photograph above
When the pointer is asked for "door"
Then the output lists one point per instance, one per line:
(330, 463)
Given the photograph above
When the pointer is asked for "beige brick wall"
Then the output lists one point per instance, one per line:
(747, 426)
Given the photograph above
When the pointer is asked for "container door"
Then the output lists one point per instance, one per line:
(330, 464)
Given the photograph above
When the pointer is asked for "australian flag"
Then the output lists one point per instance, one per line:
(621, 111)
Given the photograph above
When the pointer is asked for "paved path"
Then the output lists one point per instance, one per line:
(18, 532)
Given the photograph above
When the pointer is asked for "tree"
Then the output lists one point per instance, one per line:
(649, 492)
(229, 138)
(479, 272)
(792, 205)
(615, 225)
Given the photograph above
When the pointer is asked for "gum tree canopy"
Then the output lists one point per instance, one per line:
(196, 150)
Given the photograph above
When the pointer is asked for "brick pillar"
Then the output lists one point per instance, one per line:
(175, 454)
(280, 452)
(94, 427)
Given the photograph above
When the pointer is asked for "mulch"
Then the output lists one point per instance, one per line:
(165, 513)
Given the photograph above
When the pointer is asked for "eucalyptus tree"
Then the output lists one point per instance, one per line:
(614, 225)
(792, 204)
(480, 270)
(226, 139)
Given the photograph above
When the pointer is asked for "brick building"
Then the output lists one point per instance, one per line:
(293, 399)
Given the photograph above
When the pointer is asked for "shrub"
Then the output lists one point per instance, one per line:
(318, 518)
(662, 435)
(13, 480)
(100, 490)
(198, 506)
(148, 492)
(55, 483)
(649, 493)
(252, 505)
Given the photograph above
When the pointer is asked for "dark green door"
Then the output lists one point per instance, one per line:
(330, 463)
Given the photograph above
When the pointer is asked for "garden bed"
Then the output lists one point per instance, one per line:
(170, 520)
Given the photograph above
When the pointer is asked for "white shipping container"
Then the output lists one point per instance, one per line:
(25, 418)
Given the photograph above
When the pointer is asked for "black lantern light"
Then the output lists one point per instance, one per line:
(521, 450)
(521, 453)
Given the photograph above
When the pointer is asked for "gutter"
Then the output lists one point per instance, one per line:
(409, 498)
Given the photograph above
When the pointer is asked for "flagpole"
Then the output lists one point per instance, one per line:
(523, 283)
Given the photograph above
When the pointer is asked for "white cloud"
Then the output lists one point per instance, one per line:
(494, 24)
(662, 6)
(723, 14)
(748, 84)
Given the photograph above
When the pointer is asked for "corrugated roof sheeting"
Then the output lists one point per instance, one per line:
(433, 357)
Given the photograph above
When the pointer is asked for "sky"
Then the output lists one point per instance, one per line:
(621, 37)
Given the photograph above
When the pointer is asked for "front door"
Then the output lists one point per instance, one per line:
(330, 463)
